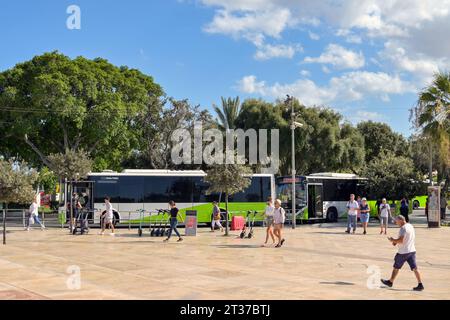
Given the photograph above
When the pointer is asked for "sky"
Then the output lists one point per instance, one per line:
(366, 59)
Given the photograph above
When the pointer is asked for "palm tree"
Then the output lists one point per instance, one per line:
(228, 114)
(432, 115)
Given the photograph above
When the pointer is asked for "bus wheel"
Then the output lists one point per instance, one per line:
(116, 219)
(416, 205)
(332, 215)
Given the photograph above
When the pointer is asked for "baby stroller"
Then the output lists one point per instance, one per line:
(81, 222)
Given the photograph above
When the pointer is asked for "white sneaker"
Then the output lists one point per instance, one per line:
(112, 234)
(43, 228)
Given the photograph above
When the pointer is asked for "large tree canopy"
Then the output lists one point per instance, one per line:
(379, 137)
(70, 104)
(323, 144)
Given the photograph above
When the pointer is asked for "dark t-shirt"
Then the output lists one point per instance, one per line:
(174, 212)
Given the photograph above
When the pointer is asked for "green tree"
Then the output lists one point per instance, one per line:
(63, 104)
(47, 180)
(379, 137)
(391, 177)
(431, 116)
(71, 165)
(16, 185)
(156, 129)
(323, 144)
(228, 113)
(228, 179)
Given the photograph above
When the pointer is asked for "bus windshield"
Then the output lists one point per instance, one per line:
(284, 192)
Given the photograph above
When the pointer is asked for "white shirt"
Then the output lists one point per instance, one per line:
(352, 206)
(385, 210)
(109, 210)
(269, 211)
(34, 209)
(279, 216)
(407, 231)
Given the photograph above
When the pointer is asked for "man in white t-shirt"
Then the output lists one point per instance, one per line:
(352, 214)
(406, 252)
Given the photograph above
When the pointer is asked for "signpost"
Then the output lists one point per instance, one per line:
(434, 208)
(191, 223)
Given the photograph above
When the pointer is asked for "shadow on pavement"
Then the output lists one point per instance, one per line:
(339, 283)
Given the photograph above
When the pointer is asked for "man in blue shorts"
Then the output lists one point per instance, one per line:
(406, 252)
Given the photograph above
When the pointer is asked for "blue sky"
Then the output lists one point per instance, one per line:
(366, 58)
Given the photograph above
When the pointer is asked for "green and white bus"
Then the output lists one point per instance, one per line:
(324, 196)
(134, 190)
(321, 195)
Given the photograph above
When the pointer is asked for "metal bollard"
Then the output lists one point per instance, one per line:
(23, 219)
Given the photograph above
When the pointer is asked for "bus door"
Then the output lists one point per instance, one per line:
(315, 200)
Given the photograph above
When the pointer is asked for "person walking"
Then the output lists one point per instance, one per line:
(404, 208)
(76, 204)
(406, 252)
(364, 208)
(268, 214)
(384, 215)
(352, 214)
(33, 215)
(174, 212)
(108, 217)
(279, 218)
(216, 217)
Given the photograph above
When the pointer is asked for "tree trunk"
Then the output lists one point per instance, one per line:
(227, 233)
(4, 223)
(431, 165)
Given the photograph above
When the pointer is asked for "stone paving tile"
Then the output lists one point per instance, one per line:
(317, 262)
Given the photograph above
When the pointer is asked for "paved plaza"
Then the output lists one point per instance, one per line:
(317, 262)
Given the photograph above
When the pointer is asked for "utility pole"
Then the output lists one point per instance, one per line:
(294, 125)
(294, 216)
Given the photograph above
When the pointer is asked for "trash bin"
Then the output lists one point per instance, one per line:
(190, 223)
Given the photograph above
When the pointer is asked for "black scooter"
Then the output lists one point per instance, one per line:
(250, 234)
(247, 222)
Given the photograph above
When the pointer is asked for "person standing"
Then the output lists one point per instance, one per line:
(279, 218)
(443, 202)
(108, 217)
(384, 215)
(216, 217)
(352, 214)
(364, 208)
(404, 209)
(268, 214)
(174, 212)
(33, 215)
(406, 253)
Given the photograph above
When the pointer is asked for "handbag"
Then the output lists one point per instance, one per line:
(31, 220)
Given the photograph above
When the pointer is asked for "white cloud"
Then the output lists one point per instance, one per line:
(313, 36)
(352, 86)
(419, 65)
(339, 57)
(268, 51)
(358, 116)
(305, 73)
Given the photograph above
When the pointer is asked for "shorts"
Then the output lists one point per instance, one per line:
(364, 217)
(108, 219)
(269, 221)
(384, 221)
(400, 260)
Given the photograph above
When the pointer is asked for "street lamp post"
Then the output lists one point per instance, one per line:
(294, 125)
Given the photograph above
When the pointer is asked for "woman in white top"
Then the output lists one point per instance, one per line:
(33, 215)
(385, 214)
(279, 217)
(108, 219)
(269, 221)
